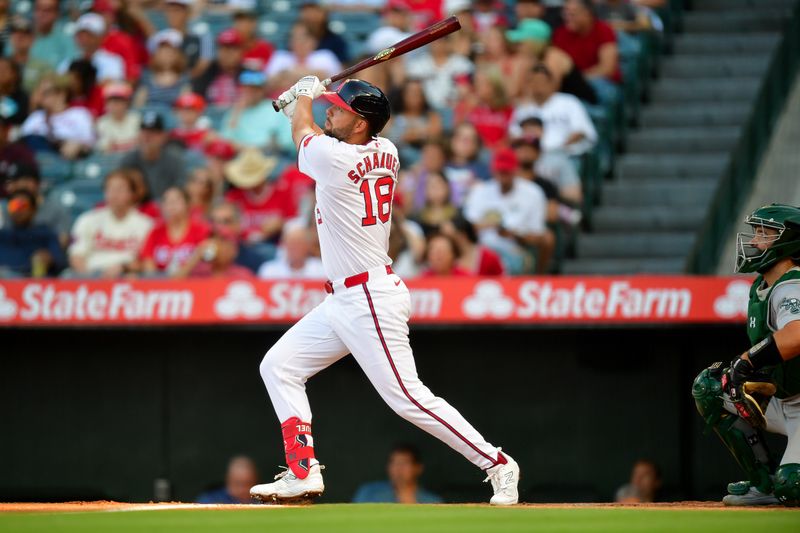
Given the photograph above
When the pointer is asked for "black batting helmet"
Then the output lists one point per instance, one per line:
(363, 99)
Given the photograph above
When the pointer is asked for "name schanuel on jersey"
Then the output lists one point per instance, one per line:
(373, 161)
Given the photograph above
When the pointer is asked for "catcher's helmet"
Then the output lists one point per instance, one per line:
(363, 99)
(785, 220)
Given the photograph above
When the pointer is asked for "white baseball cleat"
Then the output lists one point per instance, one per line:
(505, 479)
(288, 488)
(751, 497)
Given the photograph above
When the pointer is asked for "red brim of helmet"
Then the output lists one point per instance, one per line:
(336, 100)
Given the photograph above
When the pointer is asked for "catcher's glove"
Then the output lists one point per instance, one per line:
(749, 391)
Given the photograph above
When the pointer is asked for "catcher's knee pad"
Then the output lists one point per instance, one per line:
(787, 484)
(742, 440)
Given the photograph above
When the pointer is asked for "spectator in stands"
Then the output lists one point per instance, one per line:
(294, 259)
(303, 58)
(413, 121)
(226, 219)
(404, 257)
(21, 40)
(118, 128)
(353, 5)
(196, 47)
(57, 127)
(162, 164)
(413, 182)
(438, 207)
(464, 167)
(218, 152)
(11, 87)
(488, 14)
(49, 212)
(253, 123)
(442, 257)
(487, 108)
(5, 24)
(200, 189)
(315, 17)
(215, 258)
(192, 129)
(644, 485)
(128, 28)
(532, 39)
(567, 126)
(474, 258)
(623, 15)
(438, 68)
(142, 199)
(27, 248)
(106, 240)
(90, 32)
(52, 44)
(529, 9)
(495, 54)
(220, 82)
(592, 45)
(167, 76)
(266, 204)
(395, 26)
(84, 89)
(240, 476)
(170, 244)
(257, 52)
(509, 214)
(11, 152)
(404, 469)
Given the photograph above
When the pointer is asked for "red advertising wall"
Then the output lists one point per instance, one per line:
(523, 300)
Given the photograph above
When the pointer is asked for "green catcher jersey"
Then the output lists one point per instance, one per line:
(770, 309)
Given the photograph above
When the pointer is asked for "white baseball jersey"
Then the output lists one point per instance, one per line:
(354, 187)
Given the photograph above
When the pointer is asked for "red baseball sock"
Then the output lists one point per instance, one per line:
(299, 446)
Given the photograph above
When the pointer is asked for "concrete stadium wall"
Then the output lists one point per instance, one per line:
(103, 414)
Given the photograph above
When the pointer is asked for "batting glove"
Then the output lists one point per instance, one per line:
(309, 86)
(287, 102)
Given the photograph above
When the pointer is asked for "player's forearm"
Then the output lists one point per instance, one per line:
(788, 340)
(303, 120)
(783, 345)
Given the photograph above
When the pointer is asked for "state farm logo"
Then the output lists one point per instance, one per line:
(240, 299)
(8, 307)
(488, 300)
(734, 302)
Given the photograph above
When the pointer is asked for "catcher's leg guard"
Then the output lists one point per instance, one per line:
(742, 440)
(787, 484)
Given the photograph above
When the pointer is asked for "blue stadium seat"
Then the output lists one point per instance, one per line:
(97, 166)
(78, 196)
(53, 168)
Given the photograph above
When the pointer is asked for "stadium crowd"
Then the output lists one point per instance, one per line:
(137, 137)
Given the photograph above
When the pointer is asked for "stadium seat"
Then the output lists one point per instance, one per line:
(78, 196)
(97, 166)
(53, 168)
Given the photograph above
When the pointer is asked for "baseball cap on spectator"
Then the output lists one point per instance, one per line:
(190, 101)
(526, 141)
(242, 8)
(252, 78)
(250, 168)
(504, 160)
(229, 37)
(21, 24)
(117, 90)
(220, 149)
(102, 6)
(92, 23)
(16, 171)
(530, 30)
(169, 37)
(8, 108)
(152, 120)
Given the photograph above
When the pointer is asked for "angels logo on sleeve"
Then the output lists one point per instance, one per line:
(488, 300)
(8, 307)
(240, 299)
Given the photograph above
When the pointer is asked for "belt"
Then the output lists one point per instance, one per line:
(357, 279)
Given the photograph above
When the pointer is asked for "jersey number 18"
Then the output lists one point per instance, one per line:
(383, 192)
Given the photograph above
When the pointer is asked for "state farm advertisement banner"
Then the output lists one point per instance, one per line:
(529, 300)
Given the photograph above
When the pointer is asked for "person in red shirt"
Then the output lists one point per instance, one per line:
(257, 52)
(265, 204)
(200, 188)
(218, 152)
(442, 255)
(171, 243)
(191, 130)
(127, 27)
(592, 45)
(487, 108)
(472, 257)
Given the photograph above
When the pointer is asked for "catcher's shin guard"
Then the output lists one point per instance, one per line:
(299, 446)
(742, 440)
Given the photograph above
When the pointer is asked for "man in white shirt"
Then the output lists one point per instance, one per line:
(438, 67)
(90, 30)
(567, 126)
(294, 259)
(509, 214)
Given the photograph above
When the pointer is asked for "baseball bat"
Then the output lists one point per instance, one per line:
(419, 39)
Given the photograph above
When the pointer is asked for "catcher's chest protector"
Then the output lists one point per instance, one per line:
(786, 375)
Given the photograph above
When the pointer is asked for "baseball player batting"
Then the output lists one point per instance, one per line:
(367, 308)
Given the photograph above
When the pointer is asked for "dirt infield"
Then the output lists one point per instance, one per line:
(71, 507)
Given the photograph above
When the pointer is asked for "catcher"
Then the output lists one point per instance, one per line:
(760, 390)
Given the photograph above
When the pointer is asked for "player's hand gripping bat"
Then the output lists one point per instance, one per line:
(419, 39)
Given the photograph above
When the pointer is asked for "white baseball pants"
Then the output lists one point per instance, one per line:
(371, 322)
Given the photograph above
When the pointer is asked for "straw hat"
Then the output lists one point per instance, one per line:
(250, 168)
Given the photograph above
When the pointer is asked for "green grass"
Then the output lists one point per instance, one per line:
(406, 519)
